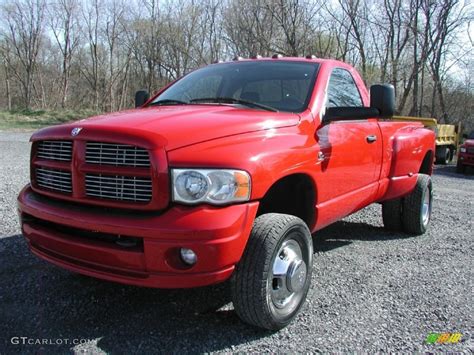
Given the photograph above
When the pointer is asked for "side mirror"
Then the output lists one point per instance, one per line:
(382, 97)
(141, 96)
(382, 105)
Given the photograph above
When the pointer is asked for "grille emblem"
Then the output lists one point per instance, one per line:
(75, 131)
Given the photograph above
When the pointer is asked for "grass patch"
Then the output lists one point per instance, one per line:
(35, 119)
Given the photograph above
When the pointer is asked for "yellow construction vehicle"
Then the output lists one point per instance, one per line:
(447, 137)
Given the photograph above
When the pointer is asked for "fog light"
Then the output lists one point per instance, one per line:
(188, 256)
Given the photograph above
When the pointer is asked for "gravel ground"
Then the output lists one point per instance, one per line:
(372, 290)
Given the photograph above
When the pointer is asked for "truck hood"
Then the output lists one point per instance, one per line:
(174, 127)
(469, 142)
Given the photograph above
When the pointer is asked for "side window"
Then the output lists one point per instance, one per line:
(342, 90)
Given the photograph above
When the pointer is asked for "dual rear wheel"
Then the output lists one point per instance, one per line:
(412, 213)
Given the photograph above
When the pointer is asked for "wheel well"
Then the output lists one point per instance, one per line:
(294, 195)
(427, 164)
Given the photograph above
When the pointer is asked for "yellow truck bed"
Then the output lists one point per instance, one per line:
(428, 122)
(447, 136)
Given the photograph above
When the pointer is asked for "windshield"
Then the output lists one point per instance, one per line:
(272, 85)
(471, 135)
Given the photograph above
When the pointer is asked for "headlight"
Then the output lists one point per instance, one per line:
(462, 149)
(214, 186)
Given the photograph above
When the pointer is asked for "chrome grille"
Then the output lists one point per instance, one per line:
(53, 179)
(55, 150)
(117, 187)
(470, 150)
(116, 154)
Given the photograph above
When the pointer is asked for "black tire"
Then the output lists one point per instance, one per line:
(416, 215)
(450, 155)
(442, 155)
(254, 290)
(392, 215)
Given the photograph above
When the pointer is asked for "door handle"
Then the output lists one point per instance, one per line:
(371, 139)
(321, 156)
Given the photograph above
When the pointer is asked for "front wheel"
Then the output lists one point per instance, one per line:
(271, 281)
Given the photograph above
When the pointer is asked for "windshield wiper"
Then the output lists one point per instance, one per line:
(231, 100)
(168, 102)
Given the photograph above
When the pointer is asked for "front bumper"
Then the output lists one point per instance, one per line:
(218, 236)
(466, 159)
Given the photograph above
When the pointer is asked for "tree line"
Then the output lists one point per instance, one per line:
(96, 54)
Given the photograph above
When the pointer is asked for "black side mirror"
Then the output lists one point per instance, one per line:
(382, 97)
(141, 96)
(382, 104)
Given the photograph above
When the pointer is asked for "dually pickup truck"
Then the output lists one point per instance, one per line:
(225, 175)
(466, 154)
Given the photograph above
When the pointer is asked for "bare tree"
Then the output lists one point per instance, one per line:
(5, 52)
(440, 35)
(295, 18)
(25, 21)
(146, 41)
(354, 20)
(213, 30)
(390, 35)
(96, 53)
(117, 59)
(65, 27)
(249, 28)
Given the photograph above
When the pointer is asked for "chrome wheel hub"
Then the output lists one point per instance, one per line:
(288, 276)
(296, 276)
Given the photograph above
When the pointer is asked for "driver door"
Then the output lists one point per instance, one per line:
(350, 154)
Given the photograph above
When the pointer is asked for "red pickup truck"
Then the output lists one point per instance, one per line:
(466, 154)
(225, 174)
